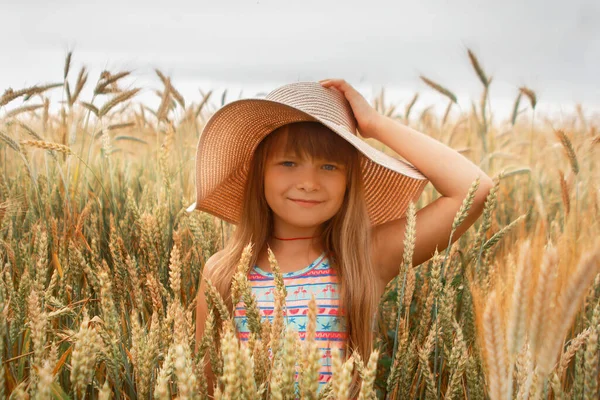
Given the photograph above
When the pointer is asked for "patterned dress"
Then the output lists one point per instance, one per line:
(318, 278)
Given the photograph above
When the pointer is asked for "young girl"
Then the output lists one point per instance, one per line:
(291, 173)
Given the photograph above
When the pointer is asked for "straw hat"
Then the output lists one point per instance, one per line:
(231, 135)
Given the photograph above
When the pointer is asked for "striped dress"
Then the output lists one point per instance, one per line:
(319, 279)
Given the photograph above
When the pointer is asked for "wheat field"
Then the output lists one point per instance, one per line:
(100, 263)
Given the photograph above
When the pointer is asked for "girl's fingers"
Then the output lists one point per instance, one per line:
(336, 82)
(339, 84)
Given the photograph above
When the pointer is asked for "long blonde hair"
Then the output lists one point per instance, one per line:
(346, 237)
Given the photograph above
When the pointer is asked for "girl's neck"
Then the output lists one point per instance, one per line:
(296, 238)
(294, 248)
(307, 243)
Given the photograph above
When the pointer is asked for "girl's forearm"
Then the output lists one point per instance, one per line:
(449, 172)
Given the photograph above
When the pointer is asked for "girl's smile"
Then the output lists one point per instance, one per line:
(305, 203)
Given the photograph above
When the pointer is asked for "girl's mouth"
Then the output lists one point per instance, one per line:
(306, 203)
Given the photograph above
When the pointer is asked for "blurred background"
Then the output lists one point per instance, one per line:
(251, 47)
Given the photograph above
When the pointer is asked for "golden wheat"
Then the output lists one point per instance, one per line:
(100, 265)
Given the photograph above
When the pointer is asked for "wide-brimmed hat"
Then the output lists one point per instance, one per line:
(233, 132)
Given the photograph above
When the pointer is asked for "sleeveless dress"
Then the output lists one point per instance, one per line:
(318, 278)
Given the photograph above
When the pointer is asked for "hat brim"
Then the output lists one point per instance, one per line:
(232, 133)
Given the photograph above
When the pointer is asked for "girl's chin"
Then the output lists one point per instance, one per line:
(295, 218)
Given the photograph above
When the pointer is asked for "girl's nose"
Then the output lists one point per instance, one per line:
(308, 180)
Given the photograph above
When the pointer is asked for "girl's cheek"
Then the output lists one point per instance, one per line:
(336, 186)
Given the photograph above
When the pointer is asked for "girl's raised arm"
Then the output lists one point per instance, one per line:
(451, 174)
(449, 171)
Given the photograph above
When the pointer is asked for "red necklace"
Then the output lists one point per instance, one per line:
(299, 238)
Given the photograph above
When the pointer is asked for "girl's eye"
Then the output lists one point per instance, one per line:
(287, 163)
(330, 167)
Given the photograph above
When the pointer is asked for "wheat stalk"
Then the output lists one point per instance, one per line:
(81, 80)
(515, 110)
(542, 298)
(568, 146)
(175, 273)
(368, 377)
(501, 233)
(215, 299)
(576, 343)
(90, 107)
(493, 333)
(118, 99)
(50, 146)
(20, 110)
(520, 308)
(407, 265)
(530, 94)
(106, 79)
(288, 360)
(591, 357)
(478, 69)
(564, 191)
(424, 353)
(10, 95)
(67, 64)
(556, 387)
(439, 88)
(311, 355)
(566, 306)
(87, 344)
(457, 363)
(10, 142)
(165, 101)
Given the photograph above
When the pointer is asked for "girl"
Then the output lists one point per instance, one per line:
(291, 173)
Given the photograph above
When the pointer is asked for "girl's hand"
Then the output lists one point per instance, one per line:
(366, 116)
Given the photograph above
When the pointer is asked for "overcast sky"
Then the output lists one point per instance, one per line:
(552, 46)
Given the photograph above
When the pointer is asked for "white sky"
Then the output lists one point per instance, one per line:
(551, 46)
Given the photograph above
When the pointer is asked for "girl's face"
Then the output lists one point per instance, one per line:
(302, 193)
